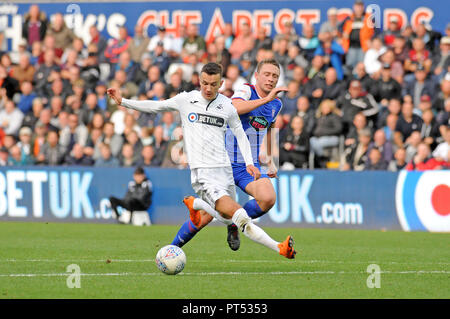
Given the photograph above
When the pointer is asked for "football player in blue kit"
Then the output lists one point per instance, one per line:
(258, 107)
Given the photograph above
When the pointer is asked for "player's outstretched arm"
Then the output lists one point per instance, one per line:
(244, 106)
(148, 106)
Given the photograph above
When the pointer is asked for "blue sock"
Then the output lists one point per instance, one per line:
(253, 209)
(185, 234)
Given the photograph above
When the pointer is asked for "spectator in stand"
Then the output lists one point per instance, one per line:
(407, 123)
(411, 145)
(332, 52)
(26, 98)
(32, 116)
(10, 118)
(332, 24)
(355, 100)
(419, 161)
(442, 95)
(35, 25)
(355, 156)
(392, 32)
(383, 145)
(8, 85)
(243, 42)
(153, 76)
(100, 41)
(394, 106)
(77, 157)
(222, 55)
(289, 100)
(24, 71)
(59, 30)
(372, 62)
(386, 88)
(356, 33)
(160, 146)
(443, 117)
(389, 128)
(51, 153)
(228, 34)
(430, 37)
(327, 130)
(417, 56)
(160, 57)
(359, 73)
(106, 159)
(419, 86)
(429, 130)
(287, 32)
(306, 113)
(442, 150)
(262, 40)
(138, 44)
(328, 88)
(43, 72)
(117, 46)
(75, 133)
(161, 38)
(147, 156)
(441, 59)
(128, 89)
(294, 148)
(193, 43)
(359, 123)
(127, 158)
(308, 41)
(316, 71)
(109, 137)
(127, 65)
(399, 161)
(24, 143)
(18, 157)
(375, 161)
(233, 79)
(280, 49)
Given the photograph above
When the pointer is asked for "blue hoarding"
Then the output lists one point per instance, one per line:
(324, 199)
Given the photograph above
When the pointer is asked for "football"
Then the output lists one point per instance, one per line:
(170, 260)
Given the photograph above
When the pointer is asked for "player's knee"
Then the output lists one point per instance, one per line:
(267, 202)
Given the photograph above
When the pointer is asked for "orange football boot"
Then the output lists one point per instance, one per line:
(194, 214)
(287, 248)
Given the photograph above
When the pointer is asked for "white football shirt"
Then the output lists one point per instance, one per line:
(204, 125)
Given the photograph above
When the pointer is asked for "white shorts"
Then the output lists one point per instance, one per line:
(210, 184)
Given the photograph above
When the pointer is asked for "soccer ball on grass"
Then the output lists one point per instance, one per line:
(170, 259)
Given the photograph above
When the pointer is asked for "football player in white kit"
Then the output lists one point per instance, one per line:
(205, 115)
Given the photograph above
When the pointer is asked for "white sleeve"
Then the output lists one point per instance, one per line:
(238, 131)
(243, 92)
(150, 106)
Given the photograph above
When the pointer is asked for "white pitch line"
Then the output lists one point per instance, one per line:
(229, 261)
(414, 272)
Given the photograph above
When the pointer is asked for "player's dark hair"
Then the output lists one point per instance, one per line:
(212, 68)
(267, 61)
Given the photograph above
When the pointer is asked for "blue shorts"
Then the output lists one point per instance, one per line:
(241, 177)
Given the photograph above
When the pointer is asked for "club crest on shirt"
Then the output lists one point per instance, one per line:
(258, 122)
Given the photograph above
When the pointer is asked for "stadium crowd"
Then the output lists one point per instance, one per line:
(359, 97)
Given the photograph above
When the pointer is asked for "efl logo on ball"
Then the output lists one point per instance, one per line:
(423, 200)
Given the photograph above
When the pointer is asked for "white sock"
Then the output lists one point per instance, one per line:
(201, 204)
(255, 233)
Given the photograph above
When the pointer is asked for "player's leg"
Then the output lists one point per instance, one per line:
(197, 220)
(229, 208)
(264, 197)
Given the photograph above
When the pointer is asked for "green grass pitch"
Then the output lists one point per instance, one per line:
(117, 261)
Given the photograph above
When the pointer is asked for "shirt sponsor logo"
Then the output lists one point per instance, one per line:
(206, 119)
(259, 122)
